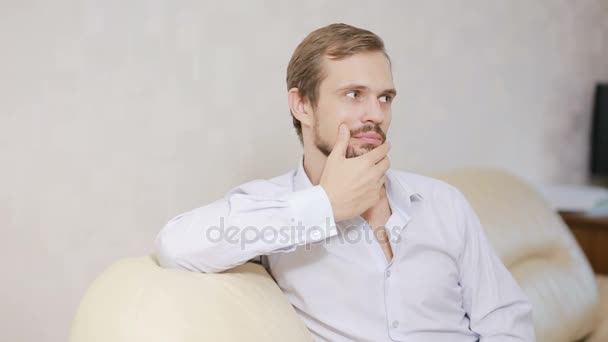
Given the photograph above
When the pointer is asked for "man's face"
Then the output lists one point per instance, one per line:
(358, 92)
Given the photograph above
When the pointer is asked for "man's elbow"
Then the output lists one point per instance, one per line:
(167, 254)
(171, 254)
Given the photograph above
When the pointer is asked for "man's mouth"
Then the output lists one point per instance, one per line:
(369, 138)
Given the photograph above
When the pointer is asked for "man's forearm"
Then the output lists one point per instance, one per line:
(239, 227)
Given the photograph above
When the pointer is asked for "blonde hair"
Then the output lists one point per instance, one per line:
(336, 42)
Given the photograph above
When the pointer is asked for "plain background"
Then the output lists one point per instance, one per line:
(117, 115)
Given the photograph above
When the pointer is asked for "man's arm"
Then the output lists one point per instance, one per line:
(241, 226)
(247, 224)
(497, 307)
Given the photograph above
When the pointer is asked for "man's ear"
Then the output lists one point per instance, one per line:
(300, 107)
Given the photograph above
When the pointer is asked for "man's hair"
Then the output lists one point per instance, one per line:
(336, 42)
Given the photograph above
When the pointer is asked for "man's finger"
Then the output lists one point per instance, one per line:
(377, 154)
(341, 145)
(382, 166)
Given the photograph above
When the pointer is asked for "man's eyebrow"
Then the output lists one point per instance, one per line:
(390, 91)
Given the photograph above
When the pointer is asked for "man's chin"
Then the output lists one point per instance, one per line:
(354, 151)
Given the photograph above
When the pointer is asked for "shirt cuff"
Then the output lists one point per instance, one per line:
(312, 209)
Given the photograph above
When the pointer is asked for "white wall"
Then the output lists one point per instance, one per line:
(117, 115)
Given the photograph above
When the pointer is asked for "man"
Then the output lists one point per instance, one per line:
(363, 252)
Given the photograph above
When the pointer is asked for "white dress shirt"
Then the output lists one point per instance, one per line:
(444, 282)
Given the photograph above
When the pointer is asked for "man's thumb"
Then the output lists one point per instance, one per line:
(342, 142)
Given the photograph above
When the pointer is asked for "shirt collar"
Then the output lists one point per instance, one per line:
(401, 192)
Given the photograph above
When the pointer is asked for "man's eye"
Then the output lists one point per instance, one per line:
(385, 98)
(353, 94)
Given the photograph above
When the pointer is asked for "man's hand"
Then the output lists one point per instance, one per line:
(353, 184)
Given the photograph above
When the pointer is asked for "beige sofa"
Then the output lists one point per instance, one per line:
(136, 300)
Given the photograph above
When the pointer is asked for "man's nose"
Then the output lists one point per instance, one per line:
(373, 111)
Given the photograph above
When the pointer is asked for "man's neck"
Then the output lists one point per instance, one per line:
(381, 209)
(314, 163)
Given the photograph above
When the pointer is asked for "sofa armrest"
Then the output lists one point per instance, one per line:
(136, 300)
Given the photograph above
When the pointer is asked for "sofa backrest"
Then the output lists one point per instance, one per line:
(537, 247)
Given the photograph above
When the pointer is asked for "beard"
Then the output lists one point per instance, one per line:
(351, 152)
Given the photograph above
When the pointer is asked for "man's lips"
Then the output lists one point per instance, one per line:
(369, 137)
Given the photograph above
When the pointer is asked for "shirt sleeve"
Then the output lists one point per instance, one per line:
(241, 226)
(497, 307)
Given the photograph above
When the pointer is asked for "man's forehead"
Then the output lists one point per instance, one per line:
(369, 71)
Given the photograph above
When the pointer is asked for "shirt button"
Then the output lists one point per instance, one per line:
(395, 324)
(388, 273)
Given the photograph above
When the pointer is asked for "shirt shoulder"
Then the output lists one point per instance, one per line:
(276, 186)
(428, 187)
